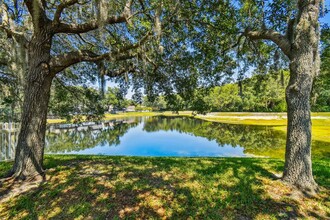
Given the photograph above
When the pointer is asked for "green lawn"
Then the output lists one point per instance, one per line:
(320, 121)
(109, 116)
(100, 187)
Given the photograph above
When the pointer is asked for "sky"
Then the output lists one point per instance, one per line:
(326, 19)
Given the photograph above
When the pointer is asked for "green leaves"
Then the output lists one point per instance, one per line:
(70, 101)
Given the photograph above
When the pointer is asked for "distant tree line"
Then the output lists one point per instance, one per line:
(259, 93)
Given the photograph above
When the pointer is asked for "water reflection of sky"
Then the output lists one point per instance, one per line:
(137, 142)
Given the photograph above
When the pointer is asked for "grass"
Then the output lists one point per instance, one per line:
(109, 116)
(55, 120)
(100, 187)
(320, 126)
(140, 114)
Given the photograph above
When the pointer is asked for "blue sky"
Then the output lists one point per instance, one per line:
(326, 18)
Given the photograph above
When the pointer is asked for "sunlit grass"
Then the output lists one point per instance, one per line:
(109, 116)
(247, 121)
(320, 126)
(96, 187)
(140, 114)
(55, 121)
(283, 114)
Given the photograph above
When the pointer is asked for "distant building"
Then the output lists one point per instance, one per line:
(130, 108)
(110, 108)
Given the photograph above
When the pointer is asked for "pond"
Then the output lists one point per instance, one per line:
(166, 136)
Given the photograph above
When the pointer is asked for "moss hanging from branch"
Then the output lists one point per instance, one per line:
(102, 11)
(4, 15)
(158, 26)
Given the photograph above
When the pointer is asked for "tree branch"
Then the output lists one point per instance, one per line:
(37, 11)
(92, 25)
(61, 7)
(234, 45)
(60, 62)
(121, 71)
(280, 40)
(86, 27)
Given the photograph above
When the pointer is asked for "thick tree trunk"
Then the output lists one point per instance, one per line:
(31, 139)
(304, 65)
(298, 163)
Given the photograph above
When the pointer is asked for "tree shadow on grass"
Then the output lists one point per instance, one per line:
(177, 188)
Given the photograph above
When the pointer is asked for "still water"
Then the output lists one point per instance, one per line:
(169, 136)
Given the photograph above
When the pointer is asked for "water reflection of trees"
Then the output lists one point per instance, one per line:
(68, 140)
(257, 140)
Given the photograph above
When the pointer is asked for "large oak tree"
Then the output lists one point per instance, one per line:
(59, 34)
(300, 44)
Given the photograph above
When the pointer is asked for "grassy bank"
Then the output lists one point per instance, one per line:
(109, 116)
(96, 187)
(320, 121)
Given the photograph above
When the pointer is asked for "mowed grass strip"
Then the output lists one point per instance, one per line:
(320, 127)
(100, 187)
(121, 115)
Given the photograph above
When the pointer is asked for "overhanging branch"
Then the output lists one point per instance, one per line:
(60, 27)
(60, 62)
(37, 11)
(61, 7)
(268, 34)
(115, 73)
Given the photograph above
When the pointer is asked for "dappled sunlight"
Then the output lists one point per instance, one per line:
(162, 188)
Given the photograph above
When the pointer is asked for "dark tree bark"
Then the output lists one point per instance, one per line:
(298, 163)
(31, 139)
(300, 44)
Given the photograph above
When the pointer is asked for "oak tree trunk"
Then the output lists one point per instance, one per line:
(31, 140)
(298, 163)
(304, 65)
